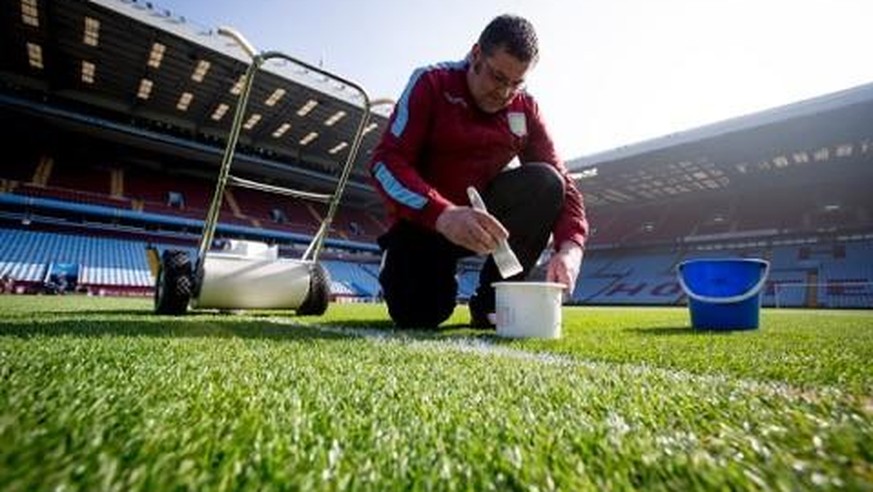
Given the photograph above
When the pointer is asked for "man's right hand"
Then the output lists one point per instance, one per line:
(473, 229)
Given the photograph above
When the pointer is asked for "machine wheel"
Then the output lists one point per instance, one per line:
(317, 299)
(174, 283)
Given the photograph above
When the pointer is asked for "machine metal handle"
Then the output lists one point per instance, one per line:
(239, 39)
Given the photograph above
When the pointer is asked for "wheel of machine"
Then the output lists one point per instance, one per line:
(174, 283)
(317, 299)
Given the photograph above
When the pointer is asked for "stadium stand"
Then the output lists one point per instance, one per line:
(292, 213)
(789, 184)
(826, 279)
(27, 256)
(360, 282)
(74, 176)
(615, 278)
(154, 189)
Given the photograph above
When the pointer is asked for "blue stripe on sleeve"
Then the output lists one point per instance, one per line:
(402, 116)
(396, 190)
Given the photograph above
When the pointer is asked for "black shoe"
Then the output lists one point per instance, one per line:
(479, 315)
(481, 322)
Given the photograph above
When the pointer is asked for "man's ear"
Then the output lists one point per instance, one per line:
(475, 52)
(475, 58)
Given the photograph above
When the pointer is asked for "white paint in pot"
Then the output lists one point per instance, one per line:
(528, 309)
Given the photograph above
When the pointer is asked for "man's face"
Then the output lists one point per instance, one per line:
(494, 80)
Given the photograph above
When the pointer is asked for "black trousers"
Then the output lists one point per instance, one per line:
(419, 265)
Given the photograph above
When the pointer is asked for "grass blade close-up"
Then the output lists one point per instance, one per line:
(100, 394)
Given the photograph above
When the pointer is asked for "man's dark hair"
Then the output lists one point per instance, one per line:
(514, 34)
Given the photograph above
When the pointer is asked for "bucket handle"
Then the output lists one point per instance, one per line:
(725, 300)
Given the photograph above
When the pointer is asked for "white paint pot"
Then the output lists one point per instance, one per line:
(528, 309)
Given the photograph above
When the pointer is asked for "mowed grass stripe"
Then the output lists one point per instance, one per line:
(801, 347)
(119, 399)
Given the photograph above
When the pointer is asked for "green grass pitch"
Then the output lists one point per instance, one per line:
(100, 394)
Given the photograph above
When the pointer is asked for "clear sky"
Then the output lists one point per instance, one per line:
(612, 72)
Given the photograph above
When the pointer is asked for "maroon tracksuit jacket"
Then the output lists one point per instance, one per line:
(438, 142)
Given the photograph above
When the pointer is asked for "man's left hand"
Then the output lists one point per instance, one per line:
(564, 266)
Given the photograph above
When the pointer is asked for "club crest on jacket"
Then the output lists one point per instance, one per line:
(517, 123)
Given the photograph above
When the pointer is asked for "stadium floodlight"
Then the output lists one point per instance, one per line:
(844, 150)
(306, 108)
(800, 157)
(88, 71)
(184, 101)
(284, 127)
(338, 147)
(252, 121)
(238, 85)
(200, 71)
(591, 172)
(219, 112)
(30, 13)
(249, 274)
(91, 36)
(275, 97)
(334, 118)
(308, 138)
(34, 55)
(157, 55)
(780, 161)
(145, 89)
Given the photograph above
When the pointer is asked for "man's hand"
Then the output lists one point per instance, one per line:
(564, 265)
(475, 230)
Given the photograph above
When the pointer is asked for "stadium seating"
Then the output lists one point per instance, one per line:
(18, 166)
(150, 191)
(72, 196)
(357, 224)
(72, 176)
(756, 213)
(641, 278)
(360, 281)
(103, 261)
(821, 278)
(844, 279)
(22, 271)
(349, 223)
(153, 188)
(801, 275)
(259, 206)
(615, 271)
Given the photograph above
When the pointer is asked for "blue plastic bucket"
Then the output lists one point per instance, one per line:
(724, 294)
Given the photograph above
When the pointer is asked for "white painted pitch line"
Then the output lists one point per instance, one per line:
(482, 347)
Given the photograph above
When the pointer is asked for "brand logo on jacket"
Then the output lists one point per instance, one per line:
(455, 99)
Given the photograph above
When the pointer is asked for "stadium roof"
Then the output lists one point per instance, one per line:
(828, 138)
(125, 61)
(127, 72)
